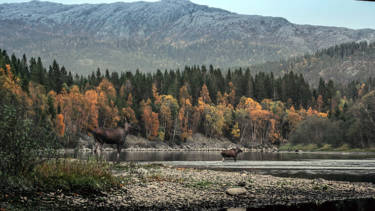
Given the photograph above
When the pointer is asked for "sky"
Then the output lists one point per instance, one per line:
(343, 13)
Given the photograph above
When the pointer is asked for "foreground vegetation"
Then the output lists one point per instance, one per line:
(56, 177)
(87, 177)
(158, 187)
(68, 176)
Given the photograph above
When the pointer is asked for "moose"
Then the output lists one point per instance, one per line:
(231, 153)
(115, 136)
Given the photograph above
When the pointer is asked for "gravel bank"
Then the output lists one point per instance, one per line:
(197, 142)
(157, 187)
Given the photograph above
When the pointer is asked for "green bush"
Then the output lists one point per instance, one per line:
(326, 147)
(344, 147)
(319, 131)
(23, 143)
(286, 147)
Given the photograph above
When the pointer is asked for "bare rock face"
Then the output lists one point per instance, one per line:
(236, 191)
(158, 35)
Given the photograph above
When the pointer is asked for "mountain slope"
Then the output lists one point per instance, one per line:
(164, 34)
(342, 63)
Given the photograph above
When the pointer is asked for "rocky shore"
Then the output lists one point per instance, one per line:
(197, 142)
(159, 187)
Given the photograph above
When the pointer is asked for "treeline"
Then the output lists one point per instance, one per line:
(171, 105)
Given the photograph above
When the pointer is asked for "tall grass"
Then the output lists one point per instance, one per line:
(75, 176)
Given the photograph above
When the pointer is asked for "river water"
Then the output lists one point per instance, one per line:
(358, 167)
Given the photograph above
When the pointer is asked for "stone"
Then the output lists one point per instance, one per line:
(236, 191)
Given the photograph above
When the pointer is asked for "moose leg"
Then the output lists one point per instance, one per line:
(101, 149)
(96, 150)
(96, 142)
(235, 158)
(118, 153)
(223, 159)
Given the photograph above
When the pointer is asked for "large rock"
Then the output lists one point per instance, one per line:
(236, 191)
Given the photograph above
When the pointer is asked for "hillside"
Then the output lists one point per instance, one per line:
(159, 35)
(341, 63)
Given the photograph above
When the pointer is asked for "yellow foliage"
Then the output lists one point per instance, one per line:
(236, 132)
(249, 104)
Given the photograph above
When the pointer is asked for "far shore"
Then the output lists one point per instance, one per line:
(111, 149)
(201, 143)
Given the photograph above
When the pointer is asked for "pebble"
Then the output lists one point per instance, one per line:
(236, 191)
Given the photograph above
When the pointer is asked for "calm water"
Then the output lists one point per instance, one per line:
(333, 166)
(215, 156)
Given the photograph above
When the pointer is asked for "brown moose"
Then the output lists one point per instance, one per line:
(115, 136)
(231, 153)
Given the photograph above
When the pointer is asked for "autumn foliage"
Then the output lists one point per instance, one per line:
(169, 116)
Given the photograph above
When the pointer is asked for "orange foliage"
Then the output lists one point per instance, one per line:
(183, 117)
(205, 95)
(155, 124)
(60, 125)
(148, 118)
(91, 99)
(11, 84)
(221, 99)
(108, 112)
(184, 95)
(249, 104)
(129, 102)
(155, 94)
(129, 115)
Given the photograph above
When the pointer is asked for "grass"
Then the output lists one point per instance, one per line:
(75, 176)
(131, 166)
(326, 147)
(202, 184)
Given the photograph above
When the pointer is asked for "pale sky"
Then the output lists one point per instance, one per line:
(345, 13)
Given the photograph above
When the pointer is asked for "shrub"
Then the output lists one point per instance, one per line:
(23, 144)
(319, 131)
(326, 147)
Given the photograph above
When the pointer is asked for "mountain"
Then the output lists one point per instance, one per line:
(158, 35)
(341, 63)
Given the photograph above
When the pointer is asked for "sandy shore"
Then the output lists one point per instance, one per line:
(158, 187)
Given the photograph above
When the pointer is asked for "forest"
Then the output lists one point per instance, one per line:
(246, 106)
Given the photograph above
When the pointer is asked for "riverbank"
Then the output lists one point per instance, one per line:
(197, 142)
(160, 187)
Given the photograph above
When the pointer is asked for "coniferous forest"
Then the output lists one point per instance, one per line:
(170, 106)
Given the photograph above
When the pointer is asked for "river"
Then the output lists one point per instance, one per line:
(358, 167)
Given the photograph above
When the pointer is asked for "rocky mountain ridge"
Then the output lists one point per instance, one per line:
(157, 35)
